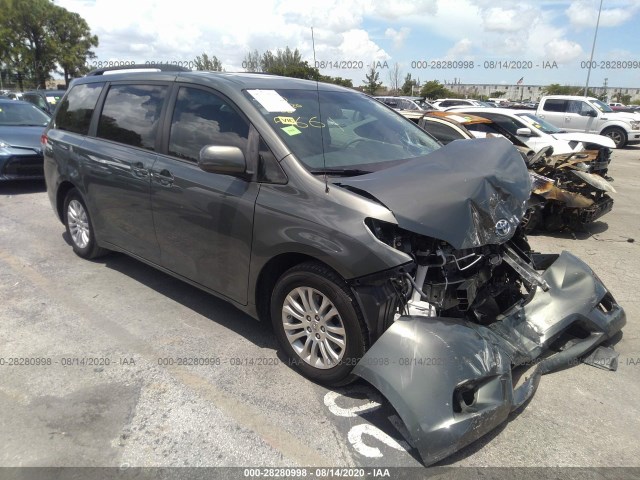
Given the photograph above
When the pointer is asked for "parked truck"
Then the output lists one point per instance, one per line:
(588, 114)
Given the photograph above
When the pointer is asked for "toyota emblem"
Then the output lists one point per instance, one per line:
(503, 228)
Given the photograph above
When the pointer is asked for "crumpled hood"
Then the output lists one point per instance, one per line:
(23, 137)
(586, 138)
(457, 193)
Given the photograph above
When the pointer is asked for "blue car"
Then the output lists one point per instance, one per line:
(21, 125)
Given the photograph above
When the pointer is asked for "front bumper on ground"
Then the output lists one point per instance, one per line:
(451, 381)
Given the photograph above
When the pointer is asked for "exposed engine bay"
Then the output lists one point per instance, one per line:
(473, 299)
(476, 284)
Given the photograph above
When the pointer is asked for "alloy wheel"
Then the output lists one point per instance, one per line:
(78, 224)
(313, 327)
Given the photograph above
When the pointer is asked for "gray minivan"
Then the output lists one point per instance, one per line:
(373, 250)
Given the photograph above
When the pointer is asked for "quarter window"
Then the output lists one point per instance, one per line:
(75, 111)
(131, 114)
(202, 118)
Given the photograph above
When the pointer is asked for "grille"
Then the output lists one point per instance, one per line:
(24, 165)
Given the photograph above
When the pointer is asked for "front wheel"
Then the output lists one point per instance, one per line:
(617, 134)
(80, 228)
(318, 323)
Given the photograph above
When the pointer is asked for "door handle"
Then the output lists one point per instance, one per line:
(139, 170)
(164, 177)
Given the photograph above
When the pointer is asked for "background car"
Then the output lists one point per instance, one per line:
(587, 114)
(406, 103)
(444, 103)
(14, 95)
(21, 125)
(536, 133)
(46, 100)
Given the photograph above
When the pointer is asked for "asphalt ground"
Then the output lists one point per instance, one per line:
(93, 373)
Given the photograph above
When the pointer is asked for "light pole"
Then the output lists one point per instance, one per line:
(593, 47)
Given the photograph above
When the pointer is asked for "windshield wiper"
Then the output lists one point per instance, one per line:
(342, 172)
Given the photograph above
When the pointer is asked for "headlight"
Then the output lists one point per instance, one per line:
(635, 125)
(4, 144)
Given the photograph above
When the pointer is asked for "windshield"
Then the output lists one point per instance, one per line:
(540, 124)
(341, 131)
(603, 107)
(20, 114)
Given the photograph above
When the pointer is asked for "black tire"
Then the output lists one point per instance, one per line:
(91, 249)
(326, 282)
(617, 134)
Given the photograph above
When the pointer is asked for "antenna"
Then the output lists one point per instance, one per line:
(324, 160)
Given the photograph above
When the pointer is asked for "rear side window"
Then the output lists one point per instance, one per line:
(202, 118)
(75, 111)
(131, 114)
(555, 105)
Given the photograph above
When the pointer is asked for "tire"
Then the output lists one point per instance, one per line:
(323, 347)
(79, 227)
(617, 134)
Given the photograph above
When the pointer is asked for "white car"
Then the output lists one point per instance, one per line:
(587, 114)
(444, 103)
(537, 133)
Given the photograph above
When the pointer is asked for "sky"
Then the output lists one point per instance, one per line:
(464, 41)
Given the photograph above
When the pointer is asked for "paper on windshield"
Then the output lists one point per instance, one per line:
(271, 100)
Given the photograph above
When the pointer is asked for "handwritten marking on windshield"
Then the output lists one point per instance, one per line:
(297, 122)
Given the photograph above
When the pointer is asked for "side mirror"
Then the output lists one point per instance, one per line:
(591, 113)
(524, 132)
(223, 160)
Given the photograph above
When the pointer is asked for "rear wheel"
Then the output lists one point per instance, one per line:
(318, 323)
(618, 135)
(80, 228)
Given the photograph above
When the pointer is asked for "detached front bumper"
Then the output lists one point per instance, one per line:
(451, 381)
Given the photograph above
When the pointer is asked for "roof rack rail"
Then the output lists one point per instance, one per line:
(163, 67)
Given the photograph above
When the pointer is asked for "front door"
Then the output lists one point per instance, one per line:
(579, 117)
(204, 221)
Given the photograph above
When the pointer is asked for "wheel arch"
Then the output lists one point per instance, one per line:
(271, 271)
(63, 190)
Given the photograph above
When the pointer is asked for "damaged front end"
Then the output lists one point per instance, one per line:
(569, 191)
(453, 330)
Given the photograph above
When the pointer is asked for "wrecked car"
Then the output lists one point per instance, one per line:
(366, 244)
(569, 191)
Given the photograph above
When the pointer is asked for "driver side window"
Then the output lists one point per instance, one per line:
(203, 118)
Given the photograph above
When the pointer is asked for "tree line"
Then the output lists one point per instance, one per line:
(37, 38)
(285, 62)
